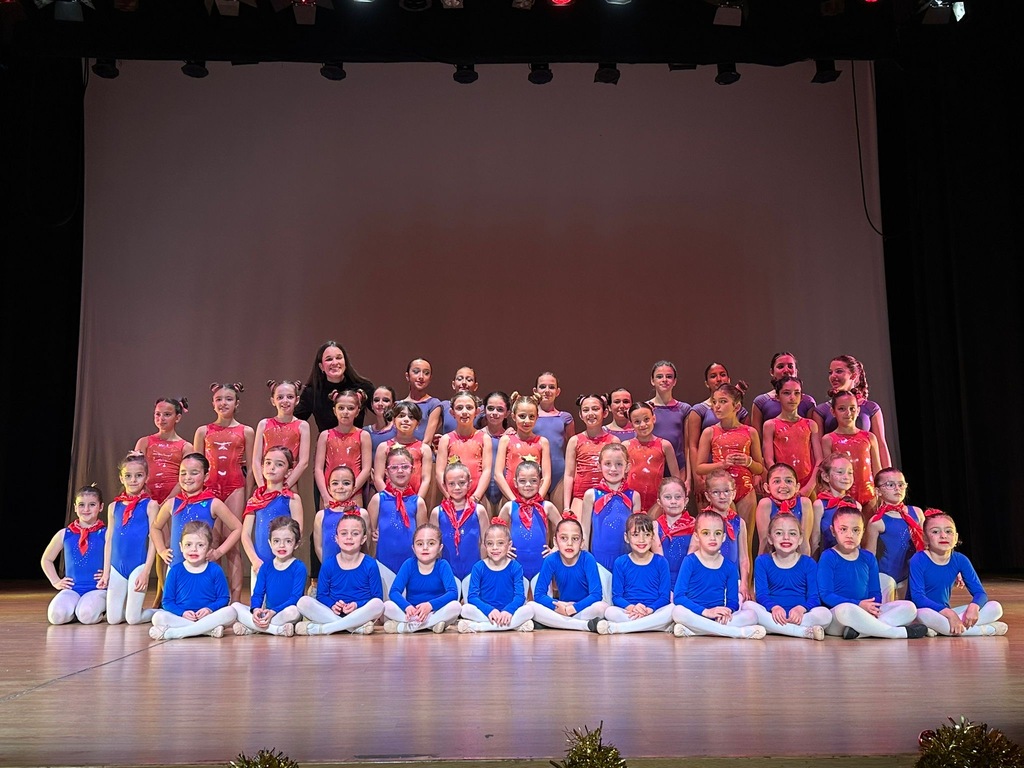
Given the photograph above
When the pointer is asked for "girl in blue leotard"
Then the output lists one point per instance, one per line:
(894, 533)
(835, 479)
(529, 518)
(424, 594)
(82, 543)
(461, 522)
(395, 512)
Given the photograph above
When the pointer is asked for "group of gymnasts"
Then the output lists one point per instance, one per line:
(469, 514)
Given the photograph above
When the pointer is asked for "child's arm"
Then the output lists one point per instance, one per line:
(319, 470)
(318, 535)
(619, 599)
(108, 546)
(225, 516)
(433, 422)
(499, 468)
(819, 511)
(703, 465)
(250, 439)
(48, 562)
(762, 516)
(505, 513)
(745, 593)
(441, 464)
(585, 515)
(545, 467)
(816, 455)
(569, 476)
(426, 469)
(372, 515)
(397, 593)
(768, 440)
(156, 531)
(480, 492)
(434, 517)
(826, 445)
(693, 434)
(876, 459)
(756, 465)
(378, 466)
(484, 520)
(200, 440)
(871, 535)
(295, 510)
(302, 460)
(365, 460)
(570, 427)
(142, 582)
(421, 511)
(248, 521)
(257, 454)
(878, 430)
(806, 521)
(671, 462)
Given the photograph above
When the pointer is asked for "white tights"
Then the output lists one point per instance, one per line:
(287, 615)
(446, 613)
(481, 623)
(619, 622)
(176, 626)
(816, 617)
(67, 605)
(578, 621)
(318, 613)
(702, 625)
(990, 612)
(891, 621)
(124, 603)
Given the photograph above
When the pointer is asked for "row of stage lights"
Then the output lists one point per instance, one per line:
(607, 72)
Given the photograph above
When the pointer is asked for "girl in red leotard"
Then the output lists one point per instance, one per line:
(282, 429)
(582, 468)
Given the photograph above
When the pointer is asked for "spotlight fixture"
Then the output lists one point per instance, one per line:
(333, 70)
(304, 10)
(728, 14)
(943, 11)
(414, 5)
(727, 74)
(618, 2)
(606, 73)
(195, 68)
(105, 68)
(452, 4)
(67, 10)
(672, 67)
(540, 74)
(227, 7)
(465, 74)
(825, 71)
(560, 3)
(522, 5)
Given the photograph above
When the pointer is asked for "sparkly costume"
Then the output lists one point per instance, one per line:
(343, 449)
(608, 525)
(185, 510)
(164, 459)
(646, 469)
(82, 567)
(460, 536)
(529, 535)
(858, 447)
(469, 451)
(792, 445)
(286, 433)
(415, 448)
(129, 539)
(588, 470)
(278, 506)
(735, 440)
(225, 450)
(516, 451)
(394, 533)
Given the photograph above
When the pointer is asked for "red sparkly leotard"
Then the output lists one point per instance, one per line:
(416, 449)
(469, 451)
(735, 440)
(516, 451)
(588, 467)
(858, 448)
(284, 433)
(225, 450)
(343, 449)
(646, 469)
(792, 444)
(164, 459)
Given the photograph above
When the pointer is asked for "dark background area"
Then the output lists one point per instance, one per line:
(949, 163)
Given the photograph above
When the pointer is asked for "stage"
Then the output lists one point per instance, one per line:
(109, 695)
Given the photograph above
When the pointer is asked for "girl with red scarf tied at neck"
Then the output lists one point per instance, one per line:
(82, 544)
(834, 481)
(894, 533)
(719, 491)
(530, 518)
(674, 526)
(341, 489)
(462, 522)
(607, 506)
(267, 502)
(194, 502)
(130, 554)
(395, 512)
(783, 489)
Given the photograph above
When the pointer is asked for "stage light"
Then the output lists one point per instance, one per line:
(227, 7)
(825, 71)
(105, 68)
(465, 74)
(333, 70)
(540, 74)
(67, 10)
(195, 68)
(522, 5)
(728, 14)
(943, 12)
(618, 2)
(414, 5)
(727, 74)
(304, 10)
(560, 3)
(606, 73)
(452, 4)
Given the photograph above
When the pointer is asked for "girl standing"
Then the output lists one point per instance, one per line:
(790, 438)
(846, 374)
(497, 407)
(277, 587)
(607, 506)
(79, 595)
(227, 445)
(464, 381)
(702, 415)
(555, 425)
(406, 416)
(619, 402)
(767, 405)
(396, 511)
(424, 594)
(581, 463)
(460, 521)
(344, 444)
(268, 503)
(859, 444)
(523, 445)
(835, 479)
(496, 598)
(467, 445)
(651, 458)
(282, 429)
(783, 496)
(418, 373)
(786, 584)
(529, 517)
(670, 414)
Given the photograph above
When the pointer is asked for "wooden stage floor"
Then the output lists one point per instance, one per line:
(108, 695)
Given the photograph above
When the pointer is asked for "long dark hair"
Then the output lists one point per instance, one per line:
(318, 382)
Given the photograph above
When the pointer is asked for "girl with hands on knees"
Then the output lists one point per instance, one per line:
(529, 517)
(83, 544)
(497, 597)
(424, 594)
(277, 587)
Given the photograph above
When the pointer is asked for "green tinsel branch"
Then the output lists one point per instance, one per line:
(265, 758)
(586, 750)
(964, 744)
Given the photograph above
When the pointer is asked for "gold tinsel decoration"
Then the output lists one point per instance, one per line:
(964, 744)
(586, 750)
(265, 758)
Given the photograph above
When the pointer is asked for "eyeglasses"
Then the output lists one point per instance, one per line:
(400, 467)
(894, 486)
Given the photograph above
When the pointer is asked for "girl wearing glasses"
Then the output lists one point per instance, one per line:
(396, 511)
(894, 533)
(720, 492)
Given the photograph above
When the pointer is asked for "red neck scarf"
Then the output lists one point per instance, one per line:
(457, 519)
(526, 507)
(784, 505)
(608, 494)
(83, 534)
(828, 501)
(130, 502)
(730, 532)
(916, 531)
(261, 497)
(682, 527)
(347, 507)
(185, 499)
(400, 497)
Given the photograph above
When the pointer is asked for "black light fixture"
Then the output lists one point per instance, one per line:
(67, 10)
(522, 5)
(304, 10)
(452, 4)
(195, 68)
(606, 73)
(105, 68)
(414, 5)
(540, 74)
(728, 14)
(465, 74)
(727, 74)
(825, 71)
(227, 7)
(333, 70)
(672, 67)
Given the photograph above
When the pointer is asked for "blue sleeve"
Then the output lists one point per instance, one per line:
(518, 590)
(544, 578)
(732, 586)
(618, 581)
(476, 576)
(259, 591)
(811, 599)
(966, 569)
(170, 599)
(397, 593)
(683, 582)
(764, 596)
(827, 580)
(874, 585)
(219, 587)
(593, 582)
(664, 584)
(323, 582)
(451, 587)
(373, 582)
(918, 589)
